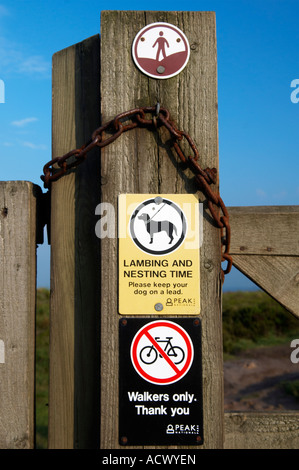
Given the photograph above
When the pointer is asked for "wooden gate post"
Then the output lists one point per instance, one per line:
(75, 265)
(18, 223)
(83, 285)
(139, 162)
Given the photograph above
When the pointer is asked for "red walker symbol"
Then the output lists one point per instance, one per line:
(161, 50)
(162, 352)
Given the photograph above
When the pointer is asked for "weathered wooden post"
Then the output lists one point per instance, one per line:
(140, 161)
(75, 265)
(138, 164)
(18, 228)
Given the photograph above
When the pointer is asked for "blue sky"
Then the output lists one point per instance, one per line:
(257, 46)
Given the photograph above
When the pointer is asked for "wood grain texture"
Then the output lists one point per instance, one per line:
(17, 313)
(277, 275)
(272, 430)
(61, 377)
(142, 162)
(265, 247)
(74, 327)
(269, 230)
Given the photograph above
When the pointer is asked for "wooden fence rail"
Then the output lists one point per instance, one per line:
(265, 247)
(260, 430)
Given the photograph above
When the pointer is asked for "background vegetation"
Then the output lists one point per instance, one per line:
(250, 319)
(42, 367)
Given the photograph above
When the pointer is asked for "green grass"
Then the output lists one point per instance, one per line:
(250, 319)
(42, 367)
(292, 388)
(253, 319)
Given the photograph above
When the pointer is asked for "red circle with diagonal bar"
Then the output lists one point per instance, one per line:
(162, 352)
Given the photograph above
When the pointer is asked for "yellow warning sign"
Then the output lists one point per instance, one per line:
(159, 241)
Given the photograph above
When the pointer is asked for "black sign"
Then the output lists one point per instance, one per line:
(160, 382)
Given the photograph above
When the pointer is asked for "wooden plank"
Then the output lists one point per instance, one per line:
(74, 327)
(140, 162)
(61, 376)
(272, 430)
(17, 313)
(277, 275)
(270, 230)
(265, 247)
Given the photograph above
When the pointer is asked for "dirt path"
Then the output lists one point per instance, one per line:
(251, 381)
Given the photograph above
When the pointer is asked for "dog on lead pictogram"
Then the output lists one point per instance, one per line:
(153, 226)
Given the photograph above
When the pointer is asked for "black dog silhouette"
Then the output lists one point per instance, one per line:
(161, 226)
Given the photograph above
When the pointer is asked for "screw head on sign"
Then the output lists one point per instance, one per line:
(158, 307)
(160, 69)
(158, 200)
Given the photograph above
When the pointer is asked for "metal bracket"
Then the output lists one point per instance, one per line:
(43, 216)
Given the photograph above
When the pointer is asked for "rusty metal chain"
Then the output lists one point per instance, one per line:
(159, 117)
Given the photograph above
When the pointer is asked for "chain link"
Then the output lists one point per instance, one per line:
(159, 117)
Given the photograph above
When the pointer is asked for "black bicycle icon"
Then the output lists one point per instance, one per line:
(149, 354)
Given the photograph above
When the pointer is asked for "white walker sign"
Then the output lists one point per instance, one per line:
(161, 50)
(160, 389)
(159, 240)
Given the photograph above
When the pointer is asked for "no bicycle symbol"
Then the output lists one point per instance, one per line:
(162, 352)
(161, 50)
